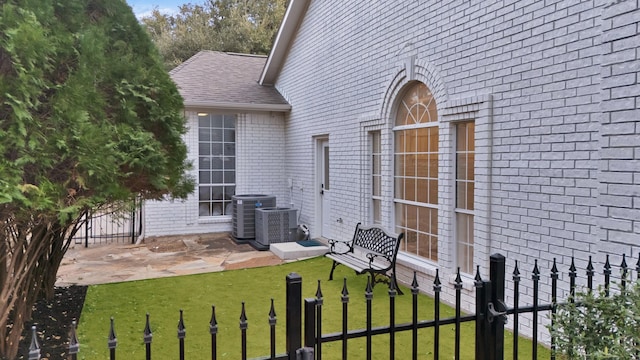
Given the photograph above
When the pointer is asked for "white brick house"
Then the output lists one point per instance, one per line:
(524, 140)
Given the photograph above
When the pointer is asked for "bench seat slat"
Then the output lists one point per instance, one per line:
(357, 264)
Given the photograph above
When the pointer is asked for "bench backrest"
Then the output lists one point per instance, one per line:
(375, 239)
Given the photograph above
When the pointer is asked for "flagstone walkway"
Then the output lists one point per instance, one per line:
(158, 257)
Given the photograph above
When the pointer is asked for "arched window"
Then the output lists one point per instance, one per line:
(416, 171)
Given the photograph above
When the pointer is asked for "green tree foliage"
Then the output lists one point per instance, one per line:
(597, 326)
(88, 117)
(243, 26)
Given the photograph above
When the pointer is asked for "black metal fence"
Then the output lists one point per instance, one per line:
(121, 224)
(306, 342)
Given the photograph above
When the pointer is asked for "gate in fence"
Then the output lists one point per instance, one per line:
(306, 341)
(111, 224)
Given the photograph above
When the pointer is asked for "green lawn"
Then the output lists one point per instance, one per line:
(162, 298)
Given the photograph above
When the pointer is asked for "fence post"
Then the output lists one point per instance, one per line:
(294, 314)
(496, 315)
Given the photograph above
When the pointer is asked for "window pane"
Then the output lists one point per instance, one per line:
(470, 196)
(216, 121)
(203, 121)
(461, 194)
(411, 138)
(377, 186)
(229, 177)
(216, 177)
(461, 168)
(230, 121)
(410, 165)
(204, 193)
(229, 163)
(204, 149)
(410, 189)
(216, 135)
(464, 243)
(377, 211)
(230, 149)
(399, 190)
(204, 134)
(433, 192)
(229, 135)
(229, 191)
(205, 177)
(204, 209)
(423, 190)
(216, 148)
(400, 165)
(422, 165)
(204, 163)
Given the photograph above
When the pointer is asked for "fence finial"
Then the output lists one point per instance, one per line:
(319, 294)
(414, 284)
(437, 285)
(213, 323)
(345, 292)
(243, 318)
(368, 291)
(113, 340)
(182, 330)
(34, 348)
(74, 345)
(272, 314)
(148, 335)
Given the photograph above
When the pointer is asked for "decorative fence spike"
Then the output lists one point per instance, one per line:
(414, 321)
(516, 306)
(34, 347)
(624, 268)
(437, 285)
(272, 327)
(572, 279)
(345, 292)
(148, 337)
(458, 287)
(590, 273)
(437, 288)
(393, 287)
(477, 279)
(345, 316)
(182, 333)
(243, 329)
(368, 295)
(536, 278)
(414, 283)
(368, 291)
(213, 330)
(607, 276)
(112, 342)
(319, 294)
(319, 303)
(74, 345)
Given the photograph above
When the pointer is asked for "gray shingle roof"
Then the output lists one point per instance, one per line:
(214, 79)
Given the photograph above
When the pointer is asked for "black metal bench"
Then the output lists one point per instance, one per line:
(372, 250)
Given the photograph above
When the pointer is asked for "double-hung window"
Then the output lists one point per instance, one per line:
(216, 164)
(465, 179)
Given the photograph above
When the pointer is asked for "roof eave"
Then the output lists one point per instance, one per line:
(240, 107)
(292, 19)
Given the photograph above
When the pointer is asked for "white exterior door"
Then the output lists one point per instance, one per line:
(324, 188)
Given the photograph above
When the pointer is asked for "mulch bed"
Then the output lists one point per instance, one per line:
(53, 321)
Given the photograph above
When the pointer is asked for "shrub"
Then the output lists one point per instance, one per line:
(595, 326)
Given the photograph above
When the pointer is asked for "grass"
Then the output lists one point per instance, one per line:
(162, 298)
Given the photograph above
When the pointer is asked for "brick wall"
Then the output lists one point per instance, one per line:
(560, 83)
(619, 174)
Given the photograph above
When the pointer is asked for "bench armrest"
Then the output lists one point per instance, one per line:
(373, 256)
(342, 248)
